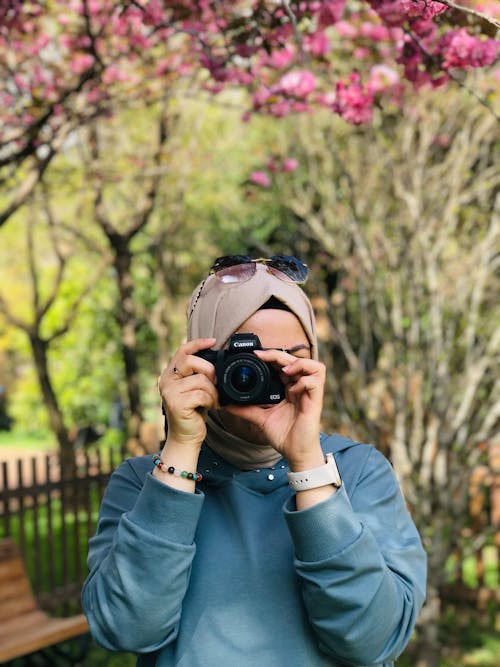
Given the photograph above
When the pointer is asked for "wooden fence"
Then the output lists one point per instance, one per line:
(51, 512)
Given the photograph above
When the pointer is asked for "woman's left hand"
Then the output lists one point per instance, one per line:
(292, 427)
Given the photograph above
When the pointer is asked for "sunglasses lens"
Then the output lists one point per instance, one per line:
(294, 269)
(240, 268)
(227, 261)
(239, 273)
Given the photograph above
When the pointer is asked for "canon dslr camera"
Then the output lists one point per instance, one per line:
(242, 378)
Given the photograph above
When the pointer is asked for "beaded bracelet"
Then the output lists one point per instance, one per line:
(195, 476)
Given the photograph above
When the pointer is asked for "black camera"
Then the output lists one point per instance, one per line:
(242, 378)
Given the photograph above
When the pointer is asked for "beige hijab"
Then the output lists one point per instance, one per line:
(217, 309)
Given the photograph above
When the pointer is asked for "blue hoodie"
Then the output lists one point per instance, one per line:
(234, 576)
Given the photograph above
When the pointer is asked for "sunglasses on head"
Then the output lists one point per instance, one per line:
(240, 268)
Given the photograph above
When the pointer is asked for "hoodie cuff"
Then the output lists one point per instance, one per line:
(167, 512)
(324, 530)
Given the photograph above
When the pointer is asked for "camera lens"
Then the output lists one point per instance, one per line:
(243, 378)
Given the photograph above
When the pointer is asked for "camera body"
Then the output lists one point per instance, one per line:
(242, 378)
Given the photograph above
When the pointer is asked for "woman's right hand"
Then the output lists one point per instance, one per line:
(187, 388)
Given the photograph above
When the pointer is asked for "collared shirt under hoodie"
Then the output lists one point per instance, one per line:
(233, 575)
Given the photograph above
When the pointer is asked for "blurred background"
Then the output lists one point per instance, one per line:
(399, 222)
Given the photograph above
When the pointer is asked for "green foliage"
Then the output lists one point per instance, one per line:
(200, 209)
(32, 439)
(87, 380)
(100, 657)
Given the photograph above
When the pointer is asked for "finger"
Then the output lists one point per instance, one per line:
(301, 366)
(178, 365)
(199, 398)
(305, 384)
(190, 365)
(191, 398)
(194, 382)
(195, 345)
(279, 357)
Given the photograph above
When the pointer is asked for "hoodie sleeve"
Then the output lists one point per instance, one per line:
(140, 561)
(362, 567)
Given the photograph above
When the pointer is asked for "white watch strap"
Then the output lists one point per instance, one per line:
(320, 476)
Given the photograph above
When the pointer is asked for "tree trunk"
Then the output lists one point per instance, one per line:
(427, 647)
(39, 349)
(127, 321)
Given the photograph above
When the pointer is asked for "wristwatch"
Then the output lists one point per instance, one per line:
(320, 476)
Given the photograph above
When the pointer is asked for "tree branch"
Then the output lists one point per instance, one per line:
(469, 10)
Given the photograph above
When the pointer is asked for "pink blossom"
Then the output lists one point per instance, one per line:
(214, 88)
(280, 59)
(20, 82)
(375, 31)
(216, 65)
(354, 104)
(427, 9)
(244, 50)
(94, 6)
(114, 73)
(381, 78)
(300, 107)
(289, 164)
(81, 62)
(153, 13)
(237, 76)
(163, 66)
(326, 99)
(63, 19)
(94, 95)
(260, 178)
(38, 45)
(280, 109)
(299, 83)
(463, 50)
(330, 12)
(361, 53)
(260, 97)
(38, 75)
(346, 30)
(426, 30)
(318, 43)
(390, 11)
(27, 119)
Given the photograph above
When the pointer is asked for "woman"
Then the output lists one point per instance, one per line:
(245, 542)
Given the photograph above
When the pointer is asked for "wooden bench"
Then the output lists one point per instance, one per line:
(24, 627)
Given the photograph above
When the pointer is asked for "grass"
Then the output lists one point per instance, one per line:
(63, 538)
(485, 656)
(100, 657)
(52, 530)
(42, 441)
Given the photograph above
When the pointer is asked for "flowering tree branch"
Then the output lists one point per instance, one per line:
(470, 10)
(70, 63)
